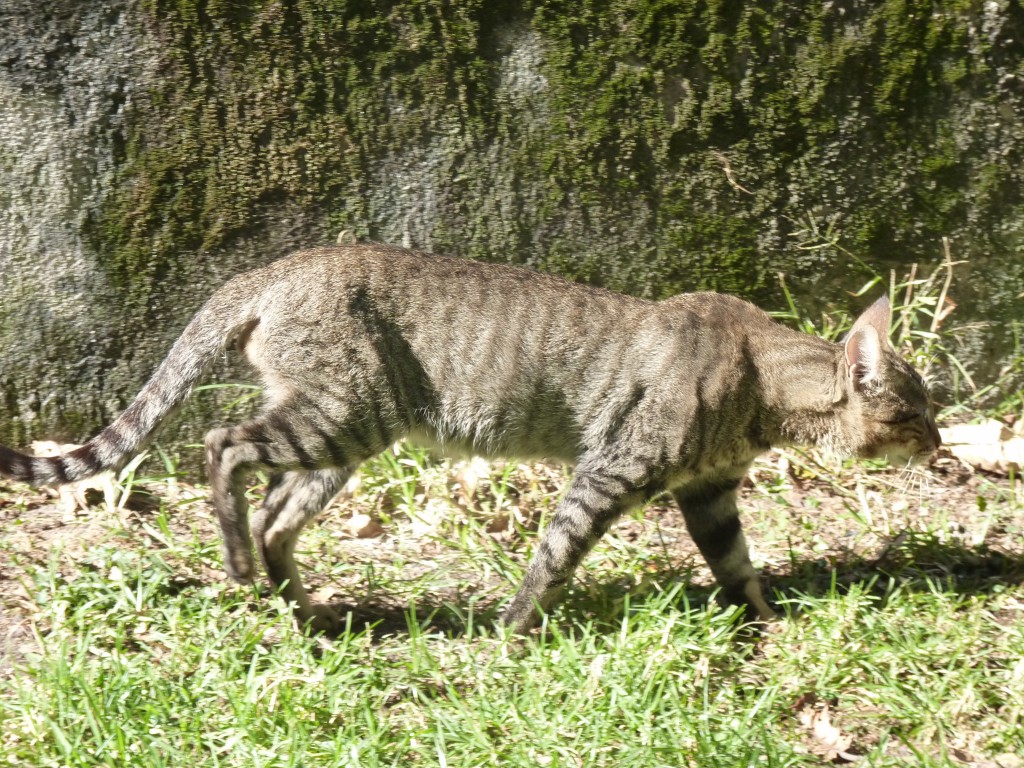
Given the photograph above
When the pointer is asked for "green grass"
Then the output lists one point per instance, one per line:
(134, 652)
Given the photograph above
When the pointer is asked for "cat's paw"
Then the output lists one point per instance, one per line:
(239, 566)
(520, 617)
(320, 620)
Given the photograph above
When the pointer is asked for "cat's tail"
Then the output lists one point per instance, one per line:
(205, 337)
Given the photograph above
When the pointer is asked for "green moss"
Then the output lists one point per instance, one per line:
(651, 146)
(861, 110)
(297, 100)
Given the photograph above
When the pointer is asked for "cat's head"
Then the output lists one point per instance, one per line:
(889, 413)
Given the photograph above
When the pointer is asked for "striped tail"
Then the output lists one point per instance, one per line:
(189, 359)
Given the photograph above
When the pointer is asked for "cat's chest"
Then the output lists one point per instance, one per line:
(723, 460)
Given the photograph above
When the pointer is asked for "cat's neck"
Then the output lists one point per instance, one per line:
(801, 379)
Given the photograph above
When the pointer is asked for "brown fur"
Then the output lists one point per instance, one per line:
(358, 346)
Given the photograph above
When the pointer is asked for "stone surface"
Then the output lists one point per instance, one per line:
(149, 150)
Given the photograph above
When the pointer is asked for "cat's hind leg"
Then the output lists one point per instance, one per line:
(297, 438)
(712, 518)
(293, 499)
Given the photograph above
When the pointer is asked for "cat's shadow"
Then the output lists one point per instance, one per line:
(915, 563)
(907, 562)
(381, 620)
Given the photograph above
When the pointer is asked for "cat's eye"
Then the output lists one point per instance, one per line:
(902, 418)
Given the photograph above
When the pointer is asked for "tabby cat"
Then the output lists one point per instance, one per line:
(361, 345)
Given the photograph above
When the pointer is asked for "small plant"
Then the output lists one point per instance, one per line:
(248, 393)
(402, 478)
(921, 304)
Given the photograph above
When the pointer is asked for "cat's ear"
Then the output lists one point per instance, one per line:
(866, 341)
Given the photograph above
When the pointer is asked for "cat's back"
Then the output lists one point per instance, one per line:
(380, 267)
(419, 292)
(719, 312)
(497, 307)
(415, 291)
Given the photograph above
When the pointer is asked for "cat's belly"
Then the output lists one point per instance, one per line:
(729, 462)
(492, 445)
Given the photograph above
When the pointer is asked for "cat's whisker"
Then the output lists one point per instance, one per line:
(918, 481)
(926, 483)
(912, 482)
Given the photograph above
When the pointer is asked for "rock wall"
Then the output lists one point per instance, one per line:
(151, 148)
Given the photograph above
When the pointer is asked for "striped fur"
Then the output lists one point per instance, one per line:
(359, 346)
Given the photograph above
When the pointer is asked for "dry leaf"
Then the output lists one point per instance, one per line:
(991, 445)
(468, 475)
(429, 517)
(947, 308)
(829, 741)
(499, 525)
(1009, 760)
(325, 594)
(72, 496)
(363, 526)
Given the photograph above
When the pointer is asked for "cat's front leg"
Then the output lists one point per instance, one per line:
(709, 507)
(594, 499)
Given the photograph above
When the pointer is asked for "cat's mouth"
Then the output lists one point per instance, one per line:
(907, 457)
(900, 455)
(918, 459)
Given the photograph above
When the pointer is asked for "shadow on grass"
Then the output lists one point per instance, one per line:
(912, 561)
(382, 620)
